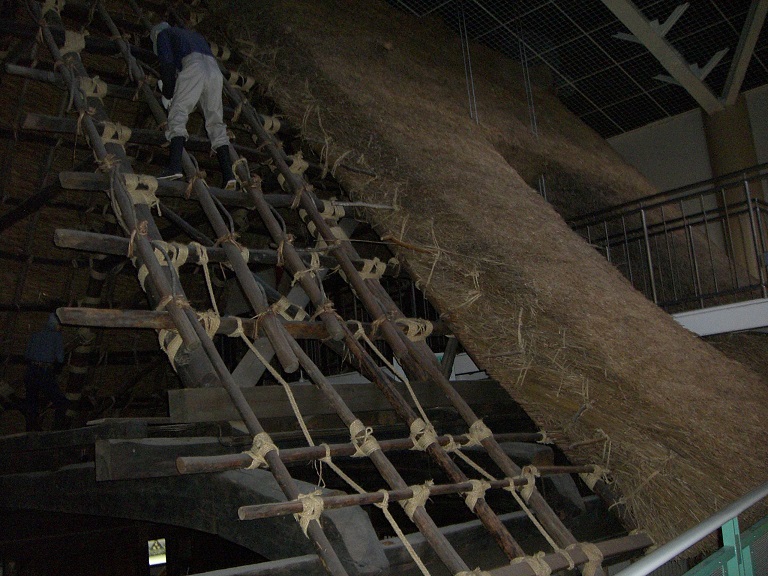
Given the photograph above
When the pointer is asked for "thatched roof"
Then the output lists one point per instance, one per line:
(681, 427)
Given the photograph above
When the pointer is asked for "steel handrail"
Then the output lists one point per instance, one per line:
(759, 171)
(675, 547)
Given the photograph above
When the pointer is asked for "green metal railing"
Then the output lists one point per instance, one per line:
(740, 555)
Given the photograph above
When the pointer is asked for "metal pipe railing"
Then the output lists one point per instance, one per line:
(720, 231)
(677, 546)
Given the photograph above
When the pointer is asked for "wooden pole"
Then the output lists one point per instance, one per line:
(285, 481)
(198, 464)
(297, 185)
(159, 320)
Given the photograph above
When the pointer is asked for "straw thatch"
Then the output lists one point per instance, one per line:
(537, 308)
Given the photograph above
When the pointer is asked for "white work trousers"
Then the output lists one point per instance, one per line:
(200, 80)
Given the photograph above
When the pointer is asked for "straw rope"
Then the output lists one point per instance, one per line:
(419, 498)
(313, 506)
(262, 445)
(362, 438)
(535, 563)
(142, 189)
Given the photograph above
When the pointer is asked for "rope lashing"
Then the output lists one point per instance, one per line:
(419, 498)
(591, 478)
(210, 321)
(262, 445)
(376, 324)
(241, 161)
(362, 439)
(142, 190)
(372, 268)
(416, 329)
(423, 435)
(74, 42)
(479, 488)
(478, 432)
(55, 5)
(239, 81)
(271, 124)
(142, 229)
(545, 439)
(199, 175)
(170, 343)
(313, 506)
(223, 52)
(331, 210)
(593, 554)
(298, 166)
(143, 271)
(287, 239)
(314, 266)
(475, 572)
(325, 307)
(282, 306)
(337, 231)
(529, 474)
(535, 563)
(92, 87)
(115, 133)
(107, 163)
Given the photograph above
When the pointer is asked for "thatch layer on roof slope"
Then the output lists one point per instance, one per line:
(535, 305)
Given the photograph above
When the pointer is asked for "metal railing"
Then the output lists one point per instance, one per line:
(734, 558)
(691, 247)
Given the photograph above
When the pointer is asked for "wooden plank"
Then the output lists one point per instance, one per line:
(212, 404)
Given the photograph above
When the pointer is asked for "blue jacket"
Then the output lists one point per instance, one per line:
(173, 45)
(47, 345)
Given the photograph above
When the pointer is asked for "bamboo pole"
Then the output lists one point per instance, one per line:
(206, 464)
(261, 511)
(159, 320)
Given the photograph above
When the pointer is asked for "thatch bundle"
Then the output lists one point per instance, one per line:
(681, 427)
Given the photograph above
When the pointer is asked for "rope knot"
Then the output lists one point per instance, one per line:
(593, 554)
(313, 506)
(363, 439)
(419, 498)
(262, 445)
(478, 491)
(478, 432)
(529, 474)
(423, 435)
(535, 563)
(591, 478)
(416, 329)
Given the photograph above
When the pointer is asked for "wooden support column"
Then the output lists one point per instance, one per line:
(731, 149)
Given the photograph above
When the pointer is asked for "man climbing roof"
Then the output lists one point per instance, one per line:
(190, 75)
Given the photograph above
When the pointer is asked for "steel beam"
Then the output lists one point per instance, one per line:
(665, 53)
(747, 41)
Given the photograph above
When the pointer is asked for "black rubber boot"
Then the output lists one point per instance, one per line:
(173, 171)
(228, 181)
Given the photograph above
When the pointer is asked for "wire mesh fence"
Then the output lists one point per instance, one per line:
(612, 83)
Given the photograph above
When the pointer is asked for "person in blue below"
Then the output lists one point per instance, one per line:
(45, 353)
(190, 76)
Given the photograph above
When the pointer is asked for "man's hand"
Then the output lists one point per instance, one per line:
(166, 102)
